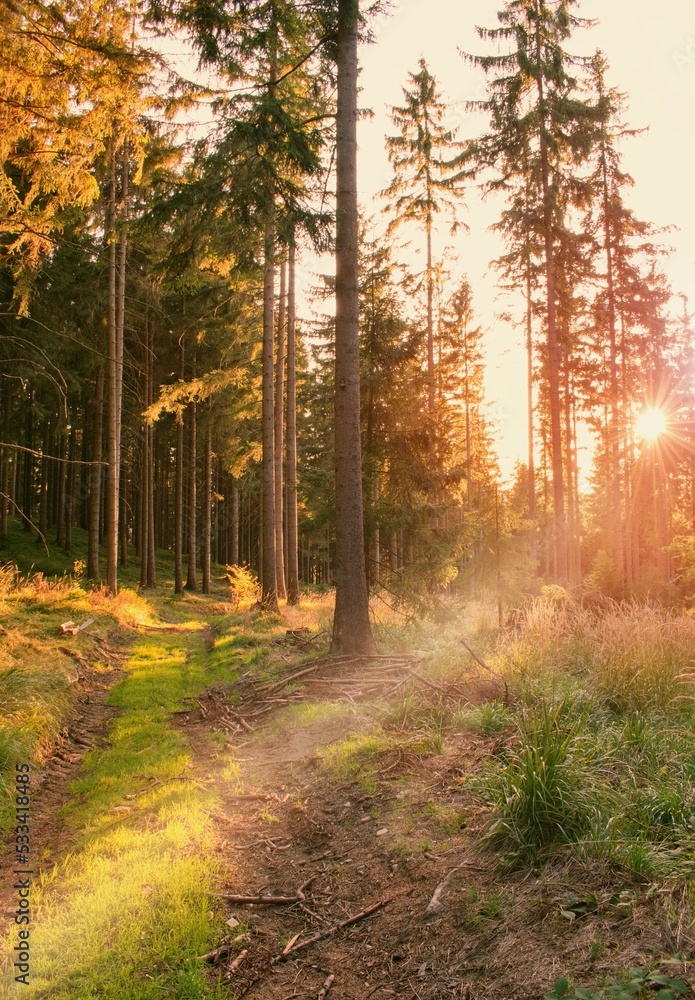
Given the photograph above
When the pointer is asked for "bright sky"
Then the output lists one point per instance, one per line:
(651, 51)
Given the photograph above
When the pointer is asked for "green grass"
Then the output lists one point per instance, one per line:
(602, 759)
(360, 756)
(126, 914)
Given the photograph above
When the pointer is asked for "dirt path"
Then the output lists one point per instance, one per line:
(290, 829)
(379, 887)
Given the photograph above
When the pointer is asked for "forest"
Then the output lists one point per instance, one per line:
(264, 576)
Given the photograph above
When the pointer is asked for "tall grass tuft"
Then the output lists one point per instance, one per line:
(542, 794)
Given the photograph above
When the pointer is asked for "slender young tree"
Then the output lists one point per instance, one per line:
(280, 433)
(178, 484)
(292, 533)
(95, 477)
(191, 574)
(424, 181)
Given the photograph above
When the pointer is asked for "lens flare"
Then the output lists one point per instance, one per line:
(650, 424)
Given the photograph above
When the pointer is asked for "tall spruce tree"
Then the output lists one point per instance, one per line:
(424, 181)
(538, 122)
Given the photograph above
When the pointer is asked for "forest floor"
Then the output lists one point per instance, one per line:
(192, 767)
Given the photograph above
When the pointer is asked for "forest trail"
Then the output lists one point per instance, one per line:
(318, 793)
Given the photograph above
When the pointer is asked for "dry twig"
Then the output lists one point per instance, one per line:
(330, 931)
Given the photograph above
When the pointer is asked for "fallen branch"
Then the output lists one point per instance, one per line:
(435, 687)
(217, 953)
(298, 897)
(330, 931)
(475, 656)
(308, 669)
(260, 900)
(242, 722)
(237, 961)
(69, 628)
(436, 904)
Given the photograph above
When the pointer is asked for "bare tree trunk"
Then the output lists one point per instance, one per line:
(144, 511)
(116, 315)
(430, 322)
(149, 433)
(352, 632)
(614, 437)
(62, 471)
(43, 508)
(234, 523)
(207, 505)
(70, 480)
(269, 596)
(571, 513)
(145, 461)
(529, 412)
(95, 474)
(123, 505)
(28, 484)
(178, 487)
(553, 359)
(292, 557)
(191, 577)
(280, 437)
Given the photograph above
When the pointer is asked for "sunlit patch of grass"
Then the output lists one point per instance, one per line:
(360, 756)
(231, 773)
(128, 912)
(311, 713)
(127, 915)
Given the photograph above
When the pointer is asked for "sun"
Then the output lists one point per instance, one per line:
(650, 424)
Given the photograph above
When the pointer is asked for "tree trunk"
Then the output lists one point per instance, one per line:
(123, 508)
(553, 359)
(207, 505)
(529, 414)
(178, 487)
(269, 596)
(430, 321)
(116, 311)
(28, 484)
(71, 477)
(614, 436)
(191, 577)
(292, 556)
(62, 470)
(352, 632)
(234, 523)
(95, 475)
(279, 437)
(151, 564)
(143, 510)
(43, 509)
